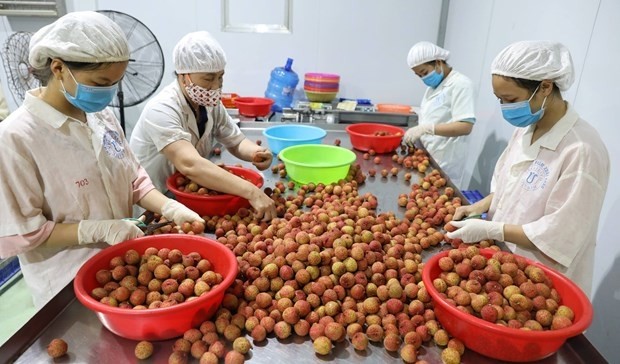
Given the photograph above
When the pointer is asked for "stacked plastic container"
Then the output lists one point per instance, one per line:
(321, 87)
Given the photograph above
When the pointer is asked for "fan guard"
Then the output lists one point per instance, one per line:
(19, 72)
(146, 66)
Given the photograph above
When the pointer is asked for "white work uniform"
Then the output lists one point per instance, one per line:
(56, 168)
(452, 100)
(168, 118)
(555, 189)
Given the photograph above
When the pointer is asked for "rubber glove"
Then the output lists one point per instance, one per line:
(261, 159)
(475, 230)
(413, 134)
(107, 231)
(177, 212)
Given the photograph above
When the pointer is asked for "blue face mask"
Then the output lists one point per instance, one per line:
(90, 98)
(433, 79)
(520, 113)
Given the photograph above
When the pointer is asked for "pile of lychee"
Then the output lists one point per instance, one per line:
(156, 279)
(209, 343)
(279, 169)
(386, 133)
(416, 159)
(503, 289)
(331, 268)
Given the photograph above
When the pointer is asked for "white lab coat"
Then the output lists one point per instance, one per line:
(55, 168)
(168, 118)
(555, 189)
(452, 100)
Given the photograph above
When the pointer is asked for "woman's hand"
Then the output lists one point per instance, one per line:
(261, 159)
(465, 211)
(475, 230)
(475, 209)
(264, 206)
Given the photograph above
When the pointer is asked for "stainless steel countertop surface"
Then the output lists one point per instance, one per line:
(90, 342)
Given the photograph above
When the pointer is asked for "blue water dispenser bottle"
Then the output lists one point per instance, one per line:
(281, 87)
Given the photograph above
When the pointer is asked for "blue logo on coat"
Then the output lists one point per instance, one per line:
(536, 176)
(113, 145)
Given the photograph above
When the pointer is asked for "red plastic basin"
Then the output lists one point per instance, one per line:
(219, 205)
(506, 343)
(253, 106)
(157, 323)
(228, 100)
(363, 137)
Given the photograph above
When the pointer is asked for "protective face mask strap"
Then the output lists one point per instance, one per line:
(542, 107)
(535, 91)
(188, 81)
(64, 90)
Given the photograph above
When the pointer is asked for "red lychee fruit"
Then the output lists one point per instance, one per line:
(57, 348)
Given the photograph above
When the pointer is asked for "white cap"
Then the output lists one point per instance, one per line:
(536, 61)
(423, 52)
(198, 52)
(84, 36)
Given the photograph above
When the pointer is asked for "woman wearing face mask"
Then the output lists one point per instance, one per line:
(179, 126)
(549, 184)
(68, 176)
(446, 112)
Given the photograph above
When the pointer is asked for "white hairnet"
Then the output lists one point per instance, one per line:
(423, 52)
(198, 52)
(84, 36)
(537, 61)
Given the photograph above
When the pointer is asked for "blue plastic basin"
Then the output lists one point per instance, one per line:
(282, 136)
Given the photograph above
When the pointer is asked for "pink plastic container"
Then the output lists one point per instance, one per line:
(322, 77)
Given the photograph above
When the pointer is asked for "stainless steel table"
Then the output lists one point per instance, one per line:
(90, 342)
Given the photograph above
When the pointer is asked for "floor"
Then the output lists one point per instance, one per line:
(16, 308)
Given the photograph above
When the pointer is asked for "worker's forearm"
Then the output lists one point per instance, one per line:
(515, 234)
(63, 235)
(484, 204)
(245, 150)
(153, 201)
(454, 129)
(209, 175)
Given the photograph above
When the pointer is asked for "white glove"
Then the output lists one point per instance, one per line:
(475, 230)
(413, 134)
(107, 231)
(177, 212)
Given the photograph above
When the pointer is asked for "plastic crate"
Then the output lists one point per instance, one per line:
(472, 196)
(8, 268)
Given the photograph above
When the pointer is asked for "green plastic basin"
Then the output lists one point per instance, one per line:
(317, 163)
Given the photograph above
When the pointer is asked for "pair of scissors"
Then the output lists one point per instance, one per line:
(144, 222)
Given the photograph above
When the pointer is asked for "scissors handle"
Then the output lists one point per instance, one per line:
(139, 223)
